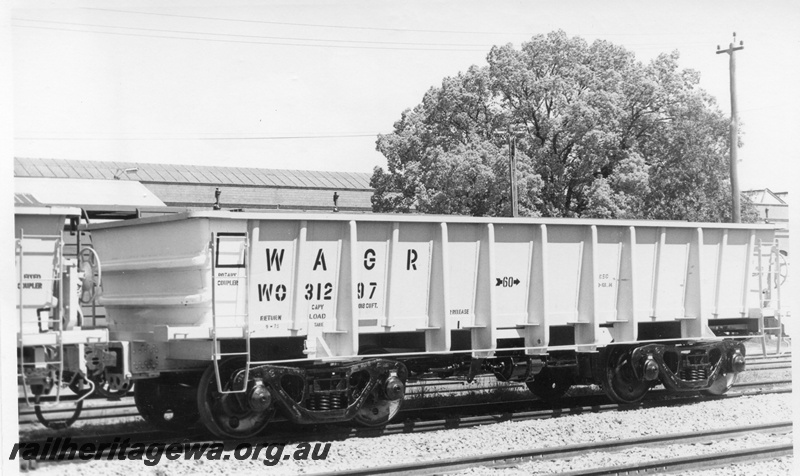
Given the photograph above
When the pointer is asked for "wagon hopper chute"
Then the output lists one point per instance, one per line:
(229, 317)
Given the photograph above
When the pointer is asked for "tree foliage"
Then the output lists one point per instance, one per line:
(597, 134)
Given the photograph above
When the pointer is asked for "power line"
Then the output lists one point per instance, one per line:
(352, 27)
(485, 47)
(275, 43)
(250, 42)
(316, 25)
(323, 136)
(251, 36)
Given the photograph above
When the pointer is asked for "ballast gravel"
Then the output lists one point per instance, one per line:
(643, 455)
(494, 438)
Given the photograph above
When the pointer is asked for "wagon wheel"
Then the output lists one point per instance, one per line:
(620, 382)
(92, 275)
(722, 384)
(377, 411)
(229, 415)
(550, 384)
(168, 406)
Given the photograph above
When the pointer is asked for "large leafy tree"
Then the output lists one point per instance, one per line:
(596, 133)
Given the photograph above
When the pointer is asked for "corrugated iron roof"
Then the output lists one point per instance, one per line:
(19, 169)
(190, 174)
(25, 199)
(85, 192)
(765, 196)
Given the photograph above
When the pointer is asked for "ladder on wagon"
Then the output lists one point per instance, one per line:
(235, 244)
(769, 285)
(31, 246)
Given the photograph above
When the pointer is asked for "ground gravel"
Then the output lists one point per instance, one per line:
(487, 439)
(643, 455)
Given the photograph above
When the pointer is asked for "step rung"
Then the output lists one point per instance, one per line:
(52, 237)
(230, 354)
(40, 363)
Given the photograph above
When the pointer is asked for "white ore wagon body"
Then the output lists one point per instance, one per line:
(227, 317)
(333, 278)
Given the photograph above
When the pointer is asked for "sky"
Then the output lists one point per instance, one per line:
(310, 84)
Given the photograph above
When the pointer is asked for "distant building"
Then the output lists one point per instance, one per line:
(194, 186)
(773, 208)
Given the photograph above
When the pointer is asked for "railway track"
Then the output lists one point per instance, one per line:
(694, 463)
(515, 458)
(754, 363)
(411, 421)
(450, 386)
(128, 409)
(98, 409)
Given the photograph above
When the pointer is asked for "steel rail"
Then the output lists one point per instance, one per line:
(765, 383)
(441, 389)
(469, 421)
(27, 417)
(434, 388)
(123, 404)
(408, 425)
(72, 398)
(693, 463)
(763, 367)
(770, 356)
(758, 366)
(515, 457)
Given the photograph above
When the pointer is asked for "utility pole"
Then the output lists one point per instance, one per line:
(733, 48)
(512, 169)
(510, 135)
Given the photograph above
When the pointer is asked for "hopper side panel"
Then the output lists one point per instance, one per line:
(158, 273)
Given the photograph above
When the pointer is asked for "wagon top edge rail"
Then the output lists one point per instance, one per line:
(420, 218)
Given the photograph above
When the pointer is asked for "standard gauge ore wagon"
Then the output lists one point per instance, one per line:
(228, 317)
(51, 343)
